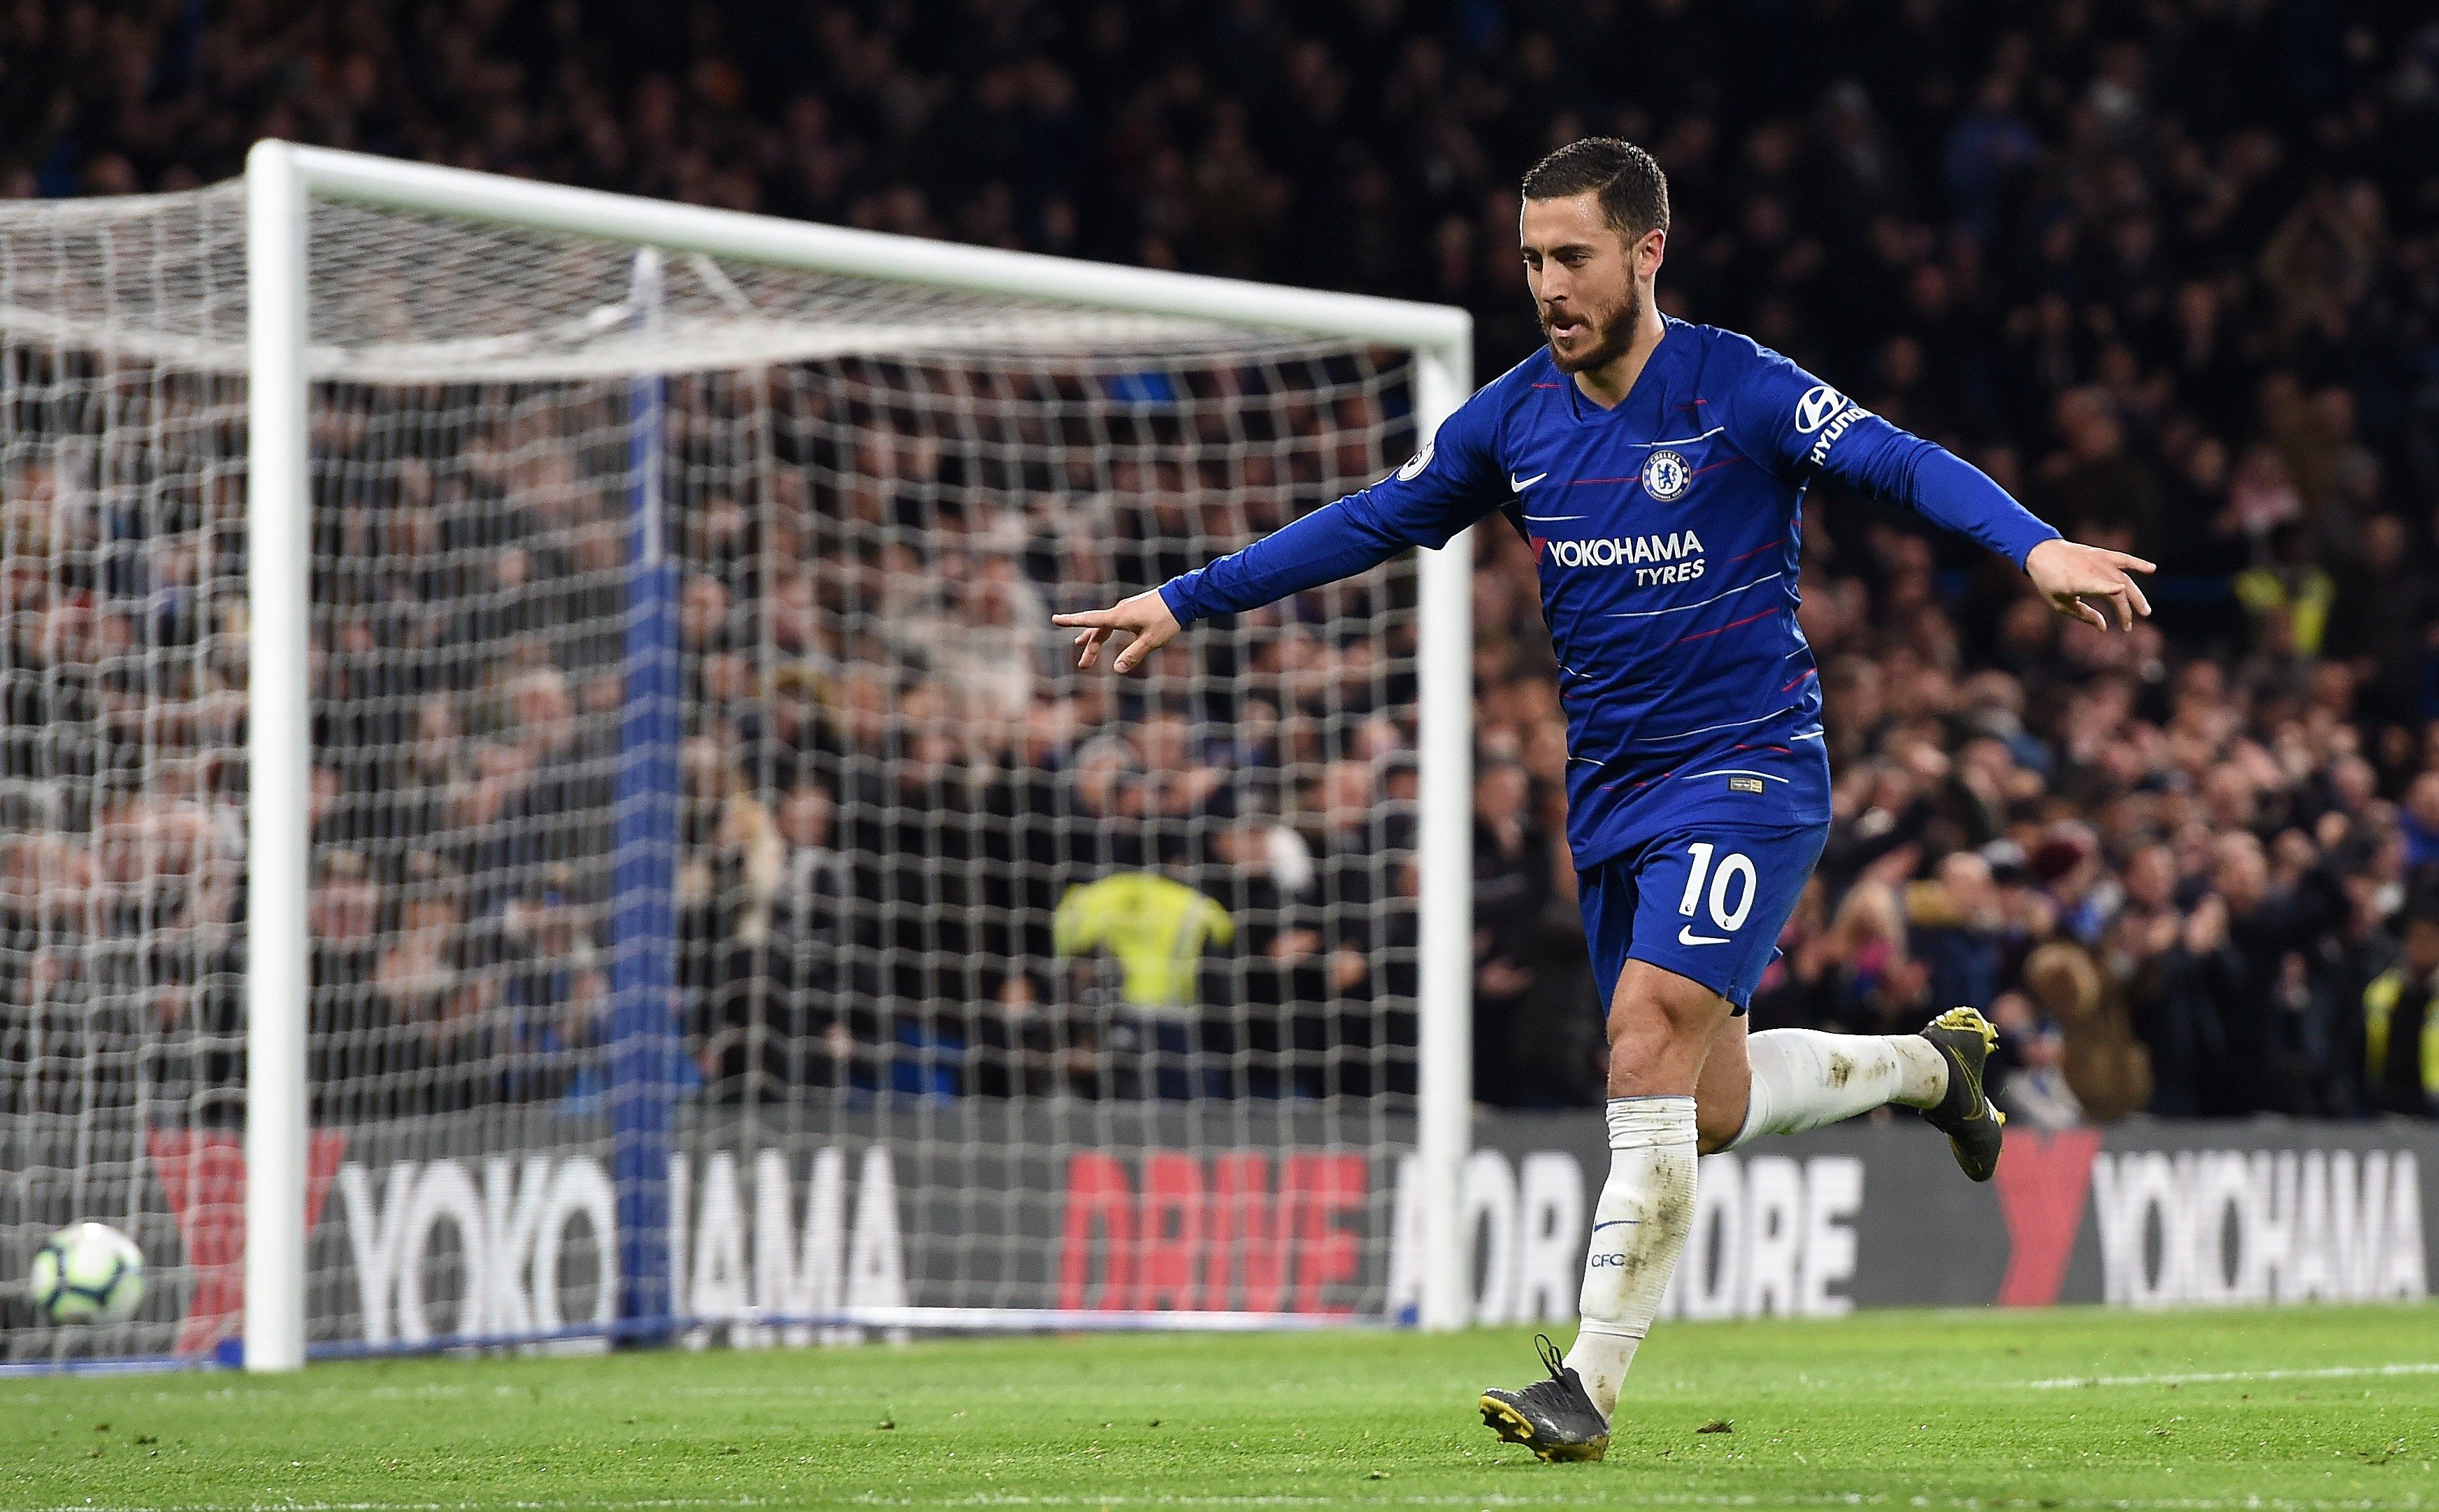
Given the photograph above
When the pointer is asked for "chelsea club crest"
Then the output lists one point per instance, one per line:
(1665, 475)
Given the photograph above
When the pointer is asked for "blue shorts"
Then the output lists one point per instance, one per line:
(1706, 902)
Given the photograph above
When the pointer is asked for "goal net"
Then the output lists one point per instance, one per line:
(727, 916)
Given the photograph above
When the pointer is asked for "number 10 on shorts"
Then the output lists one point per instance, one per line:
(1735, 874)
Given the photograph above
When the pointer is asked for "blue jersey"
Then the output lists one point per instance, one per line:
(1666, 532)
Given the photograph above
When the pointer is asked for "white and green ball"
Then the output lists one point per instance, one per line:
(89, 1272)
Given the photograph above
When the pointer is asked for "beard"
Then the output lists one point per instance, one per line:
(1611, 337)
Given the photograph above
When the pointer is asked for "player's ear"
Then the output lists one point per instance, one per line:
(1648, 252)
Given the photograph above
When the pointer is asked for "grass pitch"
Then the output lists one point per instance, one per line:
(2335, 1408)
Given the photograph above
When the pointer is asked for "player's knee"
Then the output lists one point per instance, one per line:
(1653, 1065)
(1659, 1025)
(1653, 1003)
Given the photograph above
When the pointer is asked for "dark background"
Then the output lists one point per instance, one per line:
(2169, 272)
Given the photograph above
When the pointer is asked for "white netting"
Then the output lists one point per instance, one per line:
(399, 297)
(930, 892)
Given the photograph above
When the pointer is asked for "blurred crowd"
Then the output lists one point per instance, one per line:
(898, 844)
(2168, 272)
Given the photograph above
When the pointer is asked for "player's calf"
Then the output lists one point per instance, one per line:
(1806, 1078)
(1660, 1026)
(1803, 1079)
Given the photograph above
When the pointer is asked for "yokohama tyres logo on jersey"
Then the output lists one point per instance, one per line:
(1622, 551)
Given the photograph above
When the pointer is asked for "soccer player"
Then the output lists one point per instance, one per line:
(1657, 470)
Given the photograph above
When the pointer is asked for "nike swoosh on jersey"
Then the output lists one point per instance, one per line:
(1686, 935)
(1520, 485)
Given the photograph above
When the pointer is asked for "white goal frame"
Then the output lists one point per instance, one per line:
(282, 182)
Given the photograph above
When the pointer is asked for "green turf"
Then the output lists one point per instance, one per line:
(2194, 1410)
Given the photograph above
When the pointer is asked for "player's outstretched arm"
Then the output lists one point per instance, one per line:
(2089, 583)
(1447, 485)
(1335, 541)
(1794, 422)
(1146, 616)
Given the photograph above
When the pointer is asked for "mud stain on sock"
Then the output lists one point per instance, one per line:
(1664, 1229)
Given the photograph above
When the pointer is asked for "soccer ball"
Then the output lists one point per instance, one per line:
(89, 1272)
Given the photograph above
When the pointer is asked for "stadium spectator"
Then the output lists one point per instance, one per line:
(2400, 1028)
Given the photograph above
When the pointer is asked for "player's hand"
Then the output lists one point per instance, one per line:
(2089, 583)
(1145, 617)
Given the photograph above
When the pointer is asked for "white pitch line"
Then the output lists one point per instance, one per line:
(2216, 1377)
(654, 1505)
(1901, 1501)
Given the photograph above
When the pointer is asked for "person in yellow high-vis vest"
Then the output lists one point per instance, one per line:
(2401, 1023)
(1157, 929)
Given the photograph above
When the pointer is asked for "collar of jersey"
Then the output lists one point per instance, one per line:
(1587, 412)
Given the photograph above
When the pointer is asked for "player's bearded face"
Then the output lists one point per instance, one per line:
(1582, 272)
(1585, 336)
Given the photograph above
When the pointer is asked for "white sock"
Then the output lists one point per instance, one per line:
(1803, 1079)
(1638, 1227)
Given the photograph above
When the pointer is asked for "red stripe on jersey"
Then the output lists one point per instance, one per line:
(1700, 634)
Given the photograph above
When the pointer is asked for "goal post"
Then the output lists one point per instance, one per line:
(279, 761)
(645, 848)
(286, 188)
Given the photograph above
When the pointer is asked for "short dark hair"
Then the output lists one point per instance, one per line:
(1633, 192)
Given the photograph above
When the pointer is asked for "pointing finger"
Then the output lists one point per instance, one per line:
(2130, 564)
